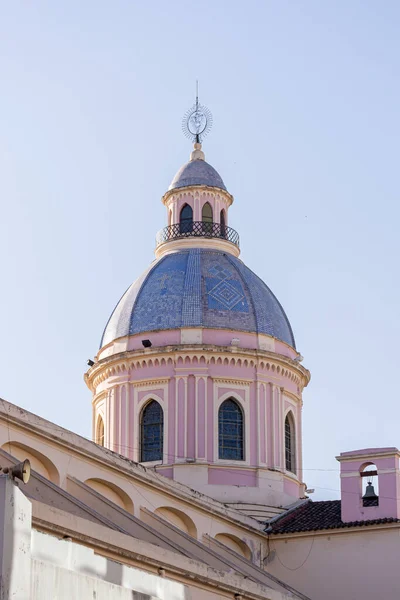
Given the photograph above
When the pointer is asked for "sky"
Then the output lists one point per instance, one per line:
(305, 97)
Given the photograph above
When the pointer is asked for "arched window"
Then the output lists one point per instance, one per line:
(223, 223)
(207, 217)
(290, 444)
(151, 438)
(230, 431)
(100, 432)
(186, 219)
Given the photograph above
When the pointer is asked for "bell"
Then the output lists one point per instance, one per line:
(370, 498)
(21, 471)
(370, 492)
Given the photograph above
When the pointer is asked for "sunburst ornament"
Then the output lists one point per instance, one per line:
(197, 121)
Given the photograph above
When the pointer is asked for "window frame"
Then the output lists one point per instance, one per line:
(289, 418)
(186, 224)
(243, 428)
(148, 402)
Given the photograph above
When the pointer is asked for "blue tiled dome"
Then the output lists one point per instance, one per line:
(198, 288)
(197, 172)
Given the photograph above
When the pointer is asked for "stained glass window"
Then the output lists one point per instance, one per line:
(151, 443)
(230, 431)
(290, 454)
(186, 219)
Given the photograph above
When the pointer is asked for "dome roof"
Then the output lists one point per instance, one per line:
(198, 288)
(197, 172)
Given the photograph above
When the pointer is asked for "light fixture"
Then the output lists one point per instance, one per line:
(90, 362)
(146, 343)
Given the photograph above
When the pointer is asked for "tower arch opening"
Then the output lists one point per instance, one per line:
(186, 219)
(207, 218)
(369, 485)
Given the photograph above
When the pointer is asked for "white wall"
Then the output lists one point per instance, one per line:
(62, 569)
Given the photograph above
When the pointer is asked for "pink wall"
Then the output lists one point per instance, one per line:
(262, 425)
(229, 476)
(191, 386)
(352, 464)
(172, 337)
(196, 199)
(201, 412)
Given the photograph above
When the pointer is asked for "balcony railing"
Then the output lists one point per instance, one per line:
(188, 229)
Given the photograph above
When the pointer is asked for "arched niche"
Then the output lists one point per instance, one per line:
(39, 462)
(234, 543)
(111, 492)
(100, 431)
(178, 518)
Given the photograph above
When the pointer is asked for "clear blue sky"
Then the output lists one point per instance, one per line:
(305, 98)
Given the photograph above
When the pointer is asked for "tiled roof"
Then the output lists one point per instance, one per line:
(314, 516)
(197, 172)
(198, 288)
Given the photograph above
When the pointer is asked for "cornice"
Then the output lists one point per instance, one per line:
(232, 381)
(185, 356)
(292, 396)
(197, 242)
(152, 382)
(209, 191)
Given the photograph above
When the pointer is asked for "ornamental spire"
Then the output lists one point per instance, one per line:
(197, 121)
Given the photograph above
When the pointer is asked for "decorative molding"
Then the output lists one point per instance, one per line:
(138, 383)
(231, 381)
(266, 363)
(292, 396)
(209, 192)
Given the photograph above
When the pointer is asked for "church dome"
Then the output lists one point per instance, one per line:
(197, 172)
(198, 287)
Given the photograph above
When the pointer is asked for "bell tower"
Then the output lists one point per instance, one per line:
(197, 375)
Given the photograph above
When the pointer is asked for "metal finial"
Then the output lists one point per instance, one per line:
(197, 121)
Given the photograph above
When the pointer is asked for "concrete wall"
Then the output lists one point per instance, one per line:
(361, 564)
(64, 570)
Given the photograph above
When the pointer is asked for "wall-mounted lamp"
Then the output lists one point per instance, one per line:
(90, 362)
(299, 358)
(146, 343)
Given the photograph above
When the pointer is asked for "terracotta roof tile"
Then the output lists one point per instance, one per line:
(314, 516)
